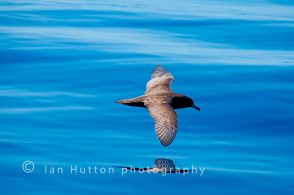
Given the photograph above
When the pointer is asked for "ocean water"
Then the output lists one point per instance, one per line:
(64, 63)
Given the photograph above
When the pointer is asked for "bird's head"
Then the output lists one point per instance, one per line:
(186, 101)
(192, 104)
(183, 101)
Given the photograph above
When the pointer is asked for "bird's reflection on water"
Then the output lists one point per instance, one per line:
(161, 165)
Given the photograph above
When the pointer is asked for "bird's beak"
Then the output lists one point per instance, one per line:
(196, 107)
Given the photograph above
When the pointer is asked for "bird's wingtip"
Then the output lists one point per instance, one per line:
(159, 71)
(159, 66)
(165, 144)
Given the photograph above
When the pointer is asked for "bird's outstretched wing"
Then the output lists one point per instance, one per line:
(165, 120)
(160, 81)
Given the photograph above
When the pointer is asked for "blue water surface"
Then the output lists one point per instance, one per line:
(64, 63)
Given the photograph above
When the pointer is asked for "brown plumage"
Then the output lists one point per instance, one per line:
(160, 102)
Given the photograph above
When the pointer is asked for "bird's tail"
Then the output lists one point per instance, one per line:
(137, 101)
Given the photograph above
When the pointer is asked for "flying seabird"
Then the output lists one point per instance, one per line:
(160, 102)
